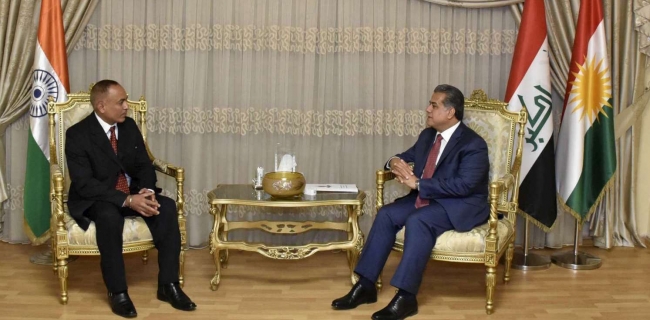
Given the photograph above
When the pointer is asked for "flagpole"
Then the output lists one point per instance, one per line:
(529, 261)
(575, 259)
(50, 81)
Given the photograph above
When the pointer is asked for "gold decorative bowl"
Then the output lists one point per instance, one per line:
(283, 184)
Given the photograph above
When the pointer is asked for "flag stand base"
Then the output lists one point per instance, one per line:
(45, 257)
(527, 261)
(530, 261)
(574, 259)
(579, 261)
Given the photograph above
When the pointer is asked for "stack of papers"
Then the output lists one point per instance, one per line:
(312, 188)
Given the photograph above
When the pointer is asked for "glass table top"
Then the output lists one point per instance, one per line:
(246, 192)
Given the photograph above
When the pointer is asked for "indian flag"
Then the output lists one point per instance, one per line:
(529, 86)
(585, 154)
(50, 79)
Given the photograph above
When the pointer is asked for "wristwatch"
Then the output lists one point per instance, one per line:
(417, 184)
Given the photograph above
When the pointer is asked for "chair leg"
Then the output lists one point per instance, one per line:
(181, 268)
(379, 283)
(145, 257)
(509, 254)
(55, 267)
(490, 282)
(62, 266)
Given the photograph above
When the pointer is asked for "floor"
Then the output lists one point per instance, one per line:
(254, 287)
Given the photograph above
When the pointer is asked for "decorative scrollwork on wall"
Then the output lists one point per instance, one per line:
(325, 40)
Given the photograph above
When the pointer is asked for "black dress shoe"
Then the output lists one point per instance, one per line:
(122, 305)
(358, 294)
(173, 294)
(401, 307)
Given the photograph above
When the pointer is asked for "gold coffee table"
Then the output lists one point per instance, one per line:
(234, 194)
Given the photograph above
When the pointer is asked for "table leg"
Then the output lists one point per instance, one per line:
(224, 258)
(224, 236)
(214, 246)
(354, 232)
(214, 283)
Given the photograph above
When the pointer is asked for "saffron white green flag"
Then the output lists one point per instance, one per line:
(50, 79)
(585, 154)
(529, 86)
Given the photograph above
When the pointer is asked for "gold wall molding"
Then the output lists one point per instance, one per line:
(197, 37)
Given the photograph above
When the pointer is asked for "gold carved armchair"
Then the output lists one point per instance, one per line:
(67, 237)
(484, 244)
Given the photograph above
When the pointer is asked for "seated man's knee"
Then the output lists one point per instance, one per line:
(107, 216)
(166, 202)
(413, 221)
(167, 207)
(383, 213)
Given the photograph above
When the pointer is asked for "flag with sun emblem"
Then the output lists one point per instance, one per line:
(50, 79)
(585, 154)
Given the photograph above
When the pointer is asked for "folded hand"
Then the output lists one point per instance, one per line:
(144, 203)
(401, 170)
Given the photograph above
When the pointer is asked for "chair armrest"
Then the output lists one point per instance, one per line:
(516, 165)
(497, 188)
(57, 198)
(178, 173)
(381, 177)
(166, 168)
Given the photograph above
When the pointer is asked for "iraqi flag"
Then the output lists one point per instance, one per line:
(529, 86)
(585, 154)
(50, 79)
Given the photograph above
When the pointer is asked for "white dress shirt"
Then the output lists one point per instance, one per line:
(446, 135)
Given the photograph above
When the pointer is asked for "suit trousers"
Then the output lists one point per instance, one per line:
(109, 223)
(423, 226)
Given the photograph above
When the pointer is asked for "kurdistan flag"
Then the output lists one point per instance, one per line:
(529, 86)
(50, 79)
(585, 154)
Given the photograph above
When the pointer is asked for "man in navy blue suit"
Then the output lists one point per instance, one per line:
(449, 183)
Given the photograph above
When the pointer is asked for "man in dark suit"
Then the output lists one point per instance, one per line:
(449, 183)
(113, 177)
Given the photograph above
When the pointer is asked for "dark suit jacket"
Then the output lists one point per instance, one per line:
(94, 167)
(460, 181)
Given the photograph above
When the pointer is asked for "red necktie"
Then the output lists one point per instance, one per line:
(122, 184)
(430, 168)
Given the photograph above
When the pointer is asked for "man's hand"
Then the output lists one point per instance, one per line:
(409, 183)
(401, 170)
(152, 196)
(144, 203)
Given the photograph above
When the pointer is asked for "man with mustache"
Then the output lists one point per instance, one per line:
(112, 177)
(449, 183)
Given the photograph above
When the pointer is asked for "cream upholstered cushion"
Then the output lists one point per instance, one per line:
(135, 230)
(472, 241)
